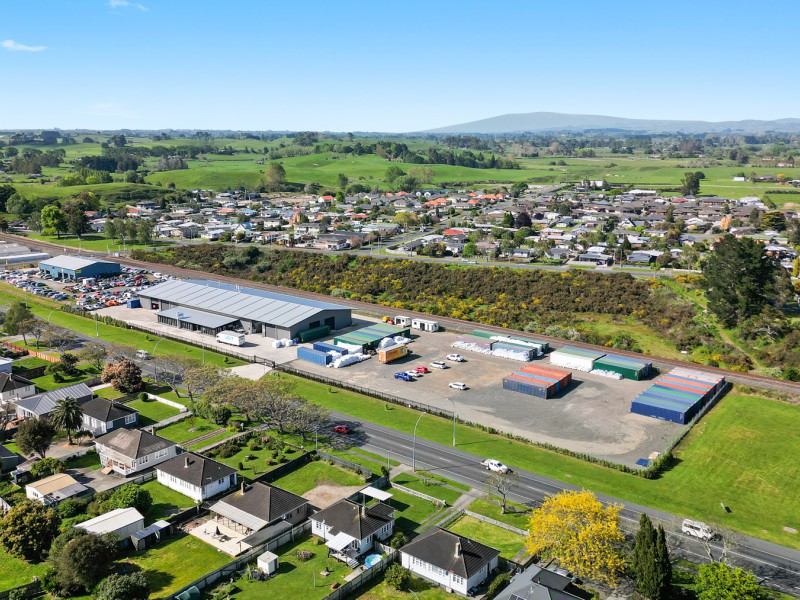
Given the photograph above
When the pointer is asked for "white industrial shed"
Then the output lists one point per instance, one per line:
(211, 307)
(122, 521)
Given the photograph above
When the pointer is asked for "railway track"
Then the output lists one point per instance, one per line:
(460, 325)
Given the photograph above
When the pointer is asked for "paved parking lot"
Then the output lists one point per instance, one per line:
(591, 416)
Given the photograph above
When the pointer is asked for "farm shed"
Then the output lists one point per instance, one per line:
(575, 358)
(627, 367)
(122, 521)
(541, 382)
(425, 325)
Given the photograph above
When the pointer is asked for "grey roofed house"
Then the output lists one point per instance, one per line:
(258, 505)
(106, 410)
(439, 547)
(278, 315)
(42, 405)
(10, 382)
(195, 469)
(134, 443)
(348, 517)
(535, 583)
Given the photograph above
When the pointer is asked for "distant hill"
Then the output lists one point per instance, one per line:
(549, 121)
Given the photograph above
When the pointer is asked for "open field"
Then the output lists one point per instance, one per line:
(93, 242)
(507, 542)
(717, 458)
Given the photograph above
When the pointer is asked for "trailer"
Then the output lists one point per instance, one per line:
(231, 338)
(402, 321)
(393, 352)
(424, 325)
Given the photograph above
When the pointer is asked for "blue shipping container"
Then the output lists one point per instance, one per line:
(658, 411)
(326, 347)
(314, 356)
(134, 303)
(530, 389)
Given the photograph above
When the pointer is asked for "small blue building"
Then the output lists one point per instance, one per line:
(74, 268)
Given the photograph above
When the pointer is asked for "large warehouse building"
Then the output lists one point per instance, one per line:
(211, 307)
(73, 268)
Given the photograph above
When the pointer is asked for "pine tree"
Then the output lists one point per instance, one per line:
(645, 538)
(664, 566)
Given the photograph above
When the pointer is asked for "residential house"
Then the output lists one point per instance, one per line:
(535, 583)
(349, 529)
(255, 507)
(41, 405)
(129, 451)
(52, 490)
(196, 476)
(8, 459)
(101, 416)
(450, 560)
(14, 388)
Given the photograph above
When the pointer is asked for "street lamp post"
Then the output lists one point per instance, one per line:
(454, 421)
(50, 313)
(414, 445)
(154, 353)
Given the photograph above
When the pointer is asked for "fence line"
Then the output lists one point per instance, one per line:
(406, 490)
(286, 467)
(42, 355)
(367, 473)
(168, 402)
(365, 577)
(235, 565)
(31, 590)
(495, 522)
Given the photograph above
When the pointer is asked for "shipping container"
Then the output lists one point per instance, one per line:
(628, 368)
(716, 380)
(314, 333)
(390, 353)
(525, 352)
(326, 347)
(575, 358)
(476, 344)
(514, 384)
(483, 333)
(685, 385)
(692, 383)
(314, 356)
(658, 410)
(134, 303)
(565, 376)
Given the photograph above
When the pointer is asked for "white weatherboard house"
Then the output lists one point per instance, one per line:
(350, 529)
(450, 560)
(14, 388)
(52, 490)
(128, 451)
(196, 476)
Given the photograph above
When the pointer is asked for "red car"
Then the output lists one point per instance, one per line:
(343, 429)
(422, 369)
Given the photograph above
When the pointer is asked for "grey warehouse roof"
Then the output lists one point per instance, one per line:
(197, 317)
(246, 303)
(72, 262)
(265, 294)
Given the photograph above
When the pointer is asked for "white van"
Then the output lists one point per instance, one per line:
(143, 354)
(697, 529)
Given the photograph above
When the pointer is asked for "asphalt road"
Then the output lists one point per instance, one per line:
(776, 566)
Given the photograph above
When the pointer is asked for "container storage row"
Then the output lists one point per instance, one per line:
(627, 367)
(314, 356)
(513, 339)
(537, 381)
(326, 347)
(678, 395)
(314, 333)
(575, 358)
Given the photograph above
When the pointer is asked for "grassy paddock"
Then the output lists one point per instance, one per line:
(433, 488)
(731, 457)
(152, 410)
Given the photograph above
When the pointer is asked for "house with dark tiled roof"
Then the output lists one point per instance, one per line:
(41, 405)
(101, 416)
(14, 388)
(535, 583)
(255, 507)
(450, 560)
(129, 451)
(196, 476)
(350, 529)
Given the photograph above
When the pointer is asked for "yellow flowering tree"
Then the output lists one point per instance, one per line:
(581, 533)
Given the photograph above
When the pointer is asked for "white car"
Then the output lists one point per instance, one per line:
(495, 465)
(438, 364)
(457, 385)
(414, 373)
(455, 357)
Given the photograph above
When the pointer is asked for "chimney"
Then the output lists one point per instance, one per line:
(186, 461)
(243, 490)
(363, 510)
(458, 549)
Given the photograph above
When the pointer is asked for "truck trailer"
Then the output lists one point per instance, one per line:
(231, 338)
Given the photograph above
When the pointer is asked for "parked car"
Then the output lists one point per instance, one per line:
(422, 369)
(343, 429)
(495, 465)
(414, 373)
(439, 364)
(455, 357)
(404, 376)
(457, 385)
(143, 354)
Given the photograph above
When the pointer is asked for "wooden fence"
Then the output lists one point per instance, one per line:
(42, 355)
(406, 490)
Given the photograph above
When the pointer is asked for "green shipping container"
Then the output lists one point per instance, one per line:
(314, 334)
(627, 372)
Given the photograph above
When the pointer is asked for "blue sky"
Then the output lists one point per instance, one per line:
(374, 65)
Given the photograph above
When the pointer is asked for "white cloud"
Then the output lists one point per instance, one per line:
(126, 4)
(17, 47)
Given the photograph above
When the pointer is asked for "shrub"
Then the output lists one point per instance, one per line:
(145, 397)
(303, 555)
(228, 450)
(47, 467)
(71, 508)
(58, 377)
(498, 584)
(241, 466)
(399, 540)
(397, 577)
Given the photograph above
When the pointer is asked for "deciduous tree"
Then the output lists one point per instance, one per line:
(35, 435)
(719, 581)
(125, 376)
(53, 220)
(17, 313)
(501, 484)
(94, 354)
(28, 529)
(582, 534)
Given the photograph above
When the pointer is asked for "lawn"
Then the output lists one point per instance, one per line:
(411, 511)
(188, 429)
(212, 440)
(109, 393)
(430, 487)
(130, 337)
(175, 563)
(256, 465)
(296, 578)
(152, 411)
(45, 383)
(16, 572)
(165, 501)
(731, 456)
(90, 460)
(516, 515)
(507, 542)
(420, 589)
(309, 476)
(93, 242)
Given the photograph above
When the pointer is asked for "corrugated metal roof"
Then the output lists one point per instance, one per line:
(249, 521)
(112, 521)
(197, 317)
(73, 262)
(42, 404)
(246, 303)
